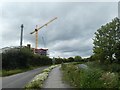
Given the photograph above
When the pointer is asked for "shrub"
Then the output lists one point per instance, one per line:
(22, 58)
(110, 80)
(90, 78)
(114, 67)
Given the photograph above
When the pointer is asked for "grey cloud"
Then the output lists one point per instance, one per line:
(71, 34)
(119, 9)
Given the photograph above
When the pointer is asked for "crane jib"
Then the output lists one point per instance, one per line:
(36, 30)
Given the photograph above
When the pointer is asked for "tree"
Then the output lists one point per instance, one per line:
(107, 42)
(58, 60)
(77, 59)
(70, 59)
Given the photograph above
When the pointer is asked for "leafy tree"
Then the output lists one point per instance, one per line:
(77, 58)
(107, 42)
(70, 59)
(58, 60)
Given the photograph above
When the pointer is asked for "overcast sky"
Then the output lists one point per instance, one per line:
(70, 35)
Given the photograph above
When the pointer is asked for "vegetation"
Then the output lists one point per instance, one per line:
(70, 59)
(91, 77)
(16, 71)
(0, 73)
(78, 58)
(103, 66)
(11, 72)
(107, 42)
(20, 60)
(38, 80)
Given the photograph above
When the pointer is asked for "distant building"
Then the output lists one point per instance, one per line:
(41, 51)
(6, 49)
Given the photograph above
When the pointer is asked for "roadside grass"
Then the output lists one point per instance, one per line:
(11, 72)
(37, 81)
(114, 67)
(0, 73)
(93, 77)
(16, 71)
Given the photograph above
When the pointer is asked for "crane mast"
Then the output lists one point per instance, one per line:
(37, 29)
(36, 39)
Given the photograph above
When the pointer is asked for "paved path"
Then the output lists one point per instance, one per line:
(55, 80)
(20, 80)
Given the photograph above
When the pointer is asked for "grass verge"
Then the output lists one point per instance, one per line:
(16, 71)
(0, 73)
(38, 80)
(90, 78)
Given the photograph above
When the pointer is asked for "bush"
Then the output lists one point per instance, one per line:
(110, 80)
(90, 78)
(114, 67)
(22, 58)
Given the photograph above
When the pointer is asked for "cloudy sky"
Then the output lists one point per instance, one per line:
(70, 35)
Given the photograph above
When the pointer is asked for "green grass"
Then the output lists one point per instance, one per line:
(94, 77)
(16, 71)
(37, 81)
(114, 67)
(0, 73)
(11, 72)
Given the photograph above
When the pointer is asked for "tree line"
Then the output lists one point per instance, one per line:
(106, 50)
(66, 60)
(23, 58)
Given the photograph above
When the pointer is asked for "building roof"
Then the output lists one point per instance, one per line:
(41, 49)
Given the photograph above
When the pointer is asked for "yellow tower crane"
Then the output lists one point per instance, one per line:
(36, 31)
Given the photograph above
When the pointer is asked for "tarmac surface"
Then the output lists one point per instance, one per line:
(54, 80)
(21, 79)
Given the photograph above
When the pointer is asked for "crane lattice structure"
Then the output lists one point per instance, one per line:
(43, 42)
(37, 29)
